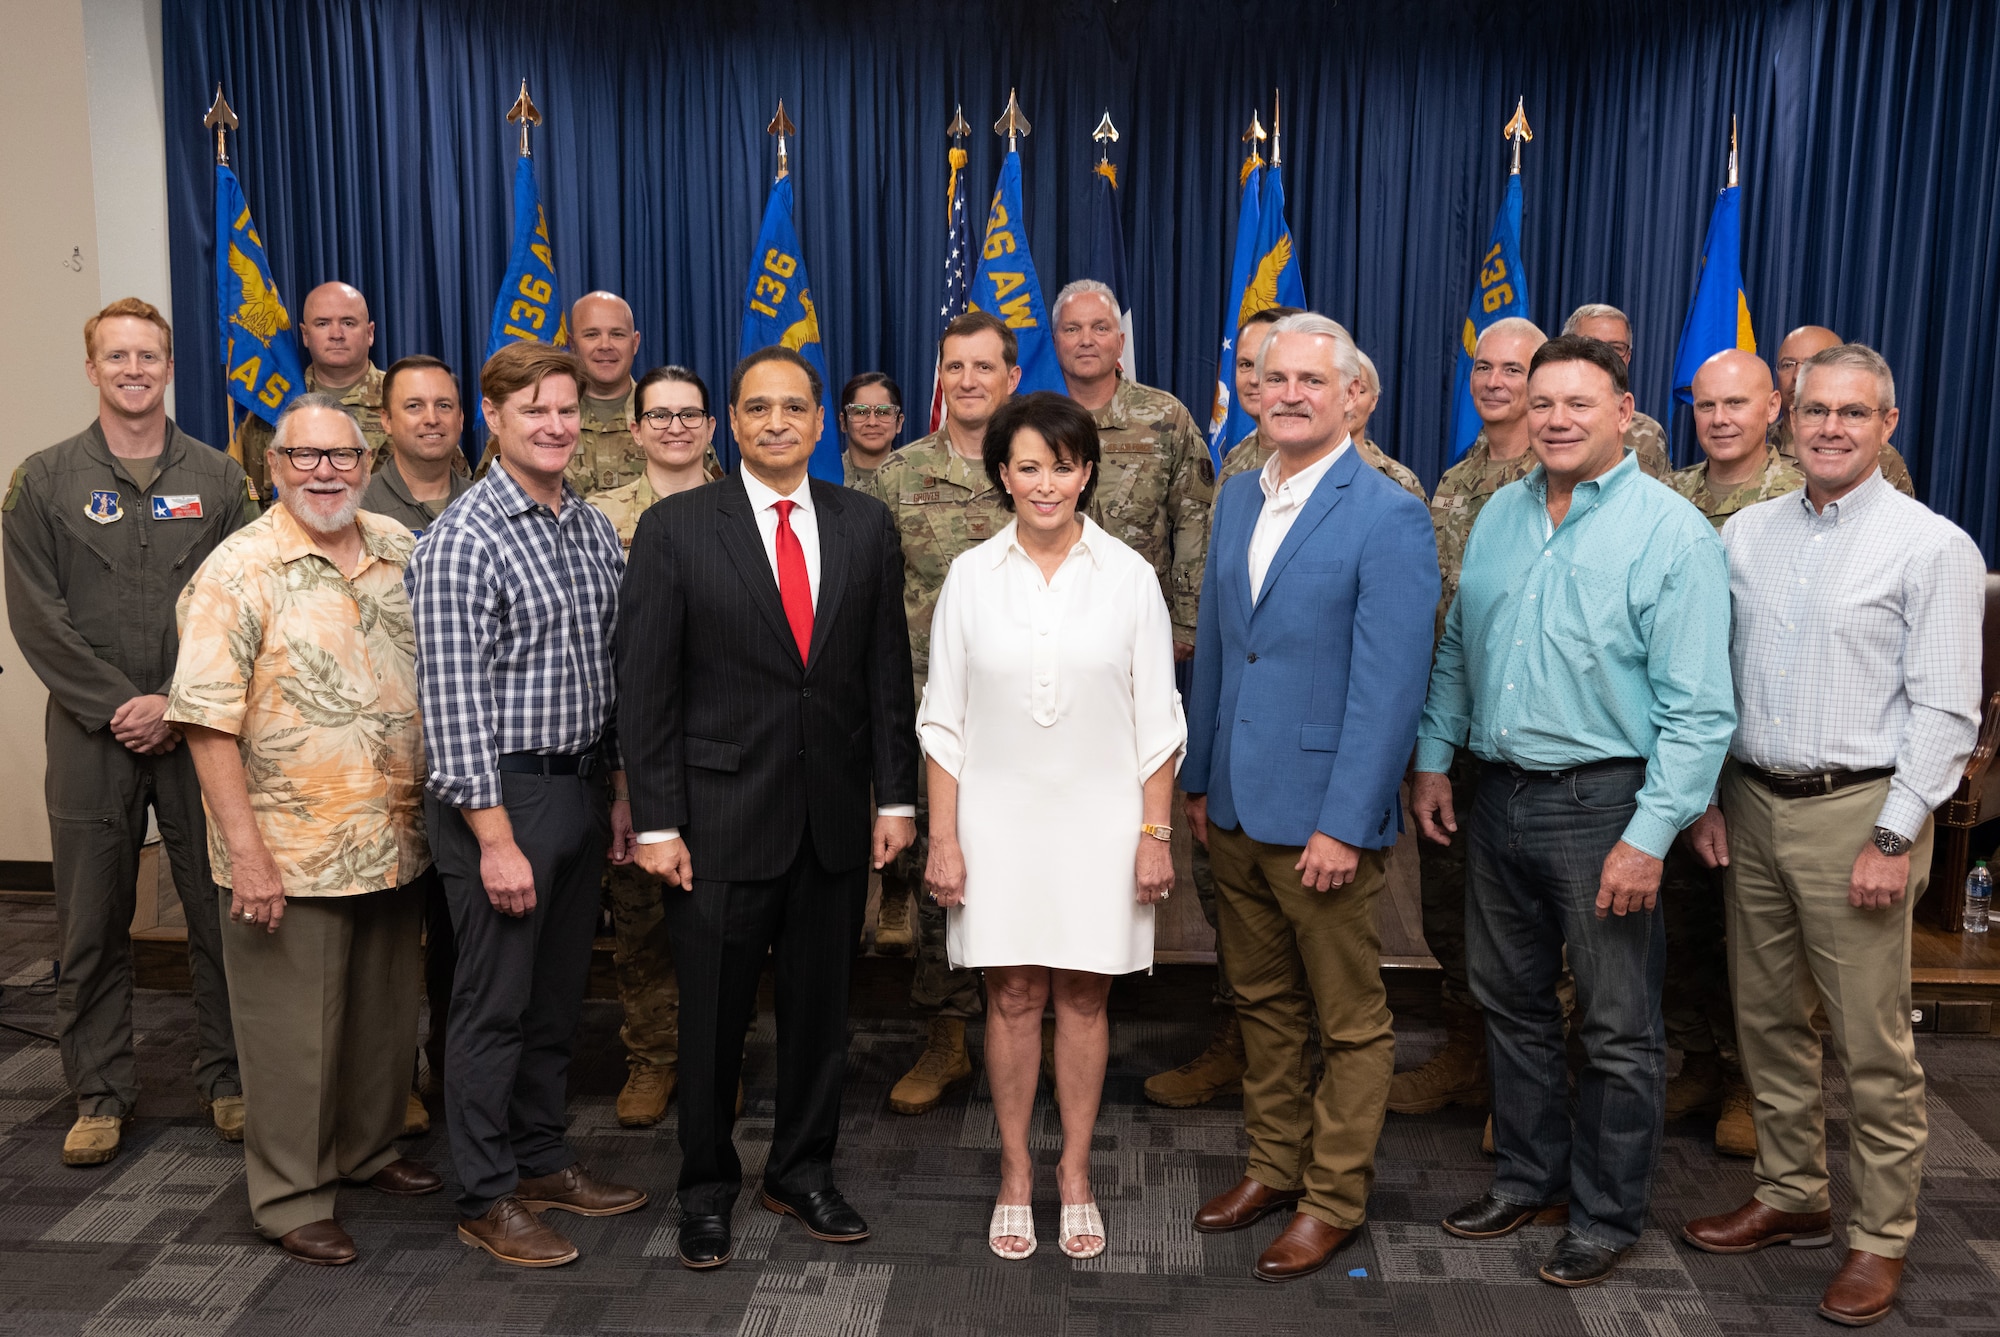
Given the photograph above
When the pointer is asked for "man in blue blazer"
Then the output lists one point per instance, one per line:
(1311, 655)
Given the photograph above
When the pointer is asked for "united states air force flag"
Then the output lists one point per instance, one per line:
(1719, 317)
(1228, 423)
(1500, 290)
(530, 306)
(778, 309)
(260, 350)
(1006, 286)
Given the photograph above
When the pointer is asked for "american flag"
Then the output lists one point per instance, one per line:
(958, 266)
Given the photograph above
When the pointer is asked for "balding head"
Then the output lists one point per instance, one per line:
(335, 327)
(1734, 407)
(1799, 345)
(604, 335)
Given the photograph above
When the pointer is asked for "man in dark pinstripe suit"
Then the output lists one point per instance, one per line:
(764, 672)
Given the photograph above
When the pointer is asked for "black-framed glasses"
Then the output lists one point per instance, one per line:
(863, 412)
(1850, 415)
(307, 458)
(665, 418)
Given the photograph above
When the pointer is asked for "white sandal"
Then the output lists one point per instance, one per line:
(1080, 1219)
(1016, 1219)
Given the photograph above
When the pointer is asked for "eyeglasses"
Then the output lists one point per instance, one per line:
(1851, 415)
(306, 458)
(664, 418)
(863, 412)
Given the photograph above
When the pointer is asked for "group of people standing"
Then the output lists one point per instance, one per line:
(437, 720)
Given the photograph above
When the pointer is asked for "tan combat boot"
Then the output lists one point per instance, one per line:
(1697, 1088)
(93, 1139)
(1216, 1071)
(226, 1113)
(416, 1116)
(650, 1086)
(943, 1065)
(1455, 1076)
(1736, 1130)
(893, 935)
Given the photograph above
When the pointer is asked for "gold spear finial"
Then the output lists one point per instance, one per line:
(1277, 154)
(1518, 131)
(1106, 134)
(1252, 160)
(221, 120)
(781, 125)
(1732, 148)
(1012, 123)
(958, 129)
(525, 113)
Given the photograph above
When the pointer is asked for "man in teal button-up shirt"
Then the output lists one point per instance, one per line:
(1587, 656)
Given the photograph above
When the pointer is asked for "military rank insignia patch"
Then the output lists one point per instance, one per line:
(104, 507)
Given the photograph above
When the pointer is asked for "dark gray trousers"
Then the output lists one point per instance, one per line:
(98, 791)
(519, 983)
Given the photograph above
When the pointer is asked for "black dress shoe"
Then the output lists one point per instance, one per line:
(704, 1242)
(1578, 1262)
(825, 1214)
(1488, 1218)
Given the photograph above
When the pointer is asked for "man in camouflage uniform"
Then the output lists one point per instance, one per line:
(101, 532)
(1799, 345)
(603, 336)
(338, 333)
(1607, 324)
(943, 503)
(1735, 407)
(643, 956)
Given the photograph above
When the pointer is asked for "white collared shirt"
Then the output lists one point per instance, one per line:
(1283, 500)
(805, 523)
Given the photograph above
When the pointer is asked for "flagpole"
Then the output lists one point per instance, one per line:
(222, 120)
(955, 157)
(1106, 134)
(1518, 131)
(1012, 123)
(1277, 155)
(781, 125)
(1732, 150)
(526, 114)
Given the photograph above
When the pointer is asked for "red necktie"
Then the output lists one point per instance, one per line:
(794, 585)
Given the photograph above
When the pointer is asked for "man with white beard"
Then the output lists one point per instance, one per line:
(296, 688)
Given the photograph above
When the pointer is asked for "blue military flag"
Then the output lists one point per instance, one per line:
(1274, 275)
(778, 309)
(1719, 316)
(1228, 423)
(1107, 253)
(1500, 290)
(529, 307)
(1006, 286)
(260, 350)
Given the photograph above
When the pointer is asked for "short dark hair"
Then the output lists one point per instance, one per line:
(774, 353)
(661, 376)
(1268, 315)
(417, 362)
(1059, 420)
(972, 322)
(863, 379)
(1577, 348)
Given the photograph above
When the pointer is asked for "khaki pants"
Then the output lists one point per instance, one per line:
(1295, 956)
(1794, 940)
(326, 1031)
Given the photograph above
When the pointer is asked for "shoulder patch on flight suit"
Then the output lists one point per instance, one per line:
(14, 489)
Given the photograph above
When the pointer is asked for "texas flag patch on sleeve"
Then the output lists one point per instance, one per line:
(177, 506)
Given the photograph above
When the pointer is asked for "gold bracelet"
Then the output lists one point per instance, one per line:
(1156, 831)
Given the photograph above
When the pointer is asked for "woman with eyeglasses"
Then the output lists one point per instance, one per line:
(871, 413)
(673, 426)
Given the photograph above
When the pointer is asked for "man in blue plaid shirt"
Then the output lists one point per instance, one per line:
(515, 594)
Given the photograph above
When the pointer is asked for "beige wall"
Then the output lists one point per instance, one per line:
(49, 273)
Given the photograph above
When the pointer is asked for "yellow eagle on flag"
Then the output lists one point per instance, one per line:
(1261, 292)
(803, 331)
(261, 313)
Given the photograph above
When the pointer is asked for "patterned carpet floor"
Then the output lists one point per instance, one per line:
(159, 1242)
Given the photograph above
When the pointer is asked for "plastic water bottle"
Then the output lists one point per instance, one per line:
(1978, 897)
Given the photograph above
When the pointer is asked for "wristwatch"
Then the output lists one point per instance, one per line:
(1890, 843)
(1156, 831)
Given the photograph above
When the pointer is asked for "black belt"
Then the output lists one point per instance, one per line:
(548, 763)
(1816, 785)
(1587, 768)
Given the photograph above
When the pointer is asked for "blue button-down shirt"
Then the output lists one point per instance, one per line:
(1605, 637)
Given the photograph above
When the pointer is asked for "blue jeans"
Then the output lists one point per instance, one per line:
(1536, 849)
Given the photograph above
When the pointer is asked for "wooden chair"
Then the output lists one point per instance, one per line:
(1943, 904)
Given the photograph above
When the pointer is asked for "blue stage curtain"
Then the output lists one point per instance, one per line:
(373, 151)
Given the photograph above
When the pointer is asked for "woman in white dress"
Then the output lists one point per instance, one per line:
(1052, 732)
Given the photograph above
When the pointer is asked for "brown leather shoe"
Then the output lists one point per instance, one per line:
(1754, 1226)
(513, 1234)
(1236, 1207)
(404, 1178)
(321, 1243)
(1863, 1291)
(1306, 1246)
(573, 1190)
